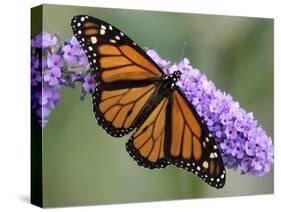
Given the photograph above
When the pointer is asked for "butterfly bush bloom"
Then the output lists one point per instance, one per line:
(243, 143)
(55, 65)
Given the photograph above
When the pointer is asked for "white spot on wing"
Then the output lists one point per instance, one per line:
(102, 31)
(205, 164)
(212, 155)
(94, 39)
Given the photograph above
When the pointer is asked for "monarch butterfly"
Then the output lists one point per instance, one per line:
(133, 94)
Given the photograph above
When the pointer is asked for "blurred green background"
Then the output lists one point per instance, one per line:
(84, 165)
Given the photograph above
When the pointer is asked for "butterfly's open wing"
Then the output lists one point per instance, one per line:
(146, 145)
(126, 81)
(189, 144)
(125, 75)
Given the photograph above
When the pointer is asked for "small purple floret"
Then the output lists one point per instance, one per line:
(89, 83)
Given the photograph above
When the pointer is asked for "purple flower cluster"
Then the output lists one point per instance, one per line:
(241, 140)
(55, 64)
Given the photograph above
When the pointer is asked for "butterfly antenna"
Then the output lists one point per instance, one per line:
(183, 49)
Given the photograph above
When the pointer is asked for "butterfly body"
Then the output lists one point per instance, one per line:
(134, 95)
(169, 81)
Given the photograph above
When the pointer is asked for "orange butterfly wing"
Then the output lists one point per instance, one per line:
(125, 74)
(146, 145)
(173, 133)
(190, 144)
